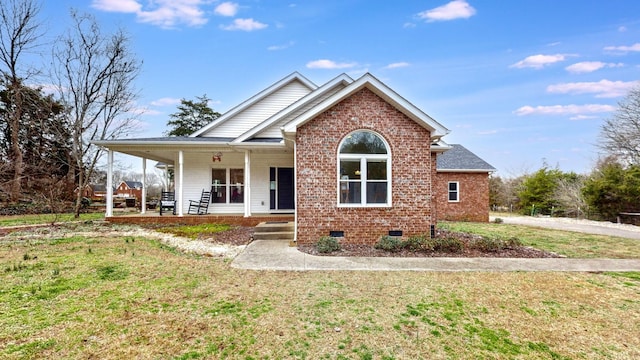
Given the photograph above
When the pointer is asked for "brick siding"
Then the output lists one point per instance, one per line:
(473, 195)
(413, 169)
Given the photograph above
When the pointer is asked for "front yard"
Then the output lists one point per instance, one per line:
(68, 295)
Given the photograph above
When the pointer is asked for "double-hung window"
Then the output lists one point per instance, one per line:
(364, 170)
(227, 186)
(454, 191)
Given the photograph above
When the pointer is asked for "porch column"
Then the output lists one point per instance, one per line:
(295, 192)
(143, 206)
(180, 180)
(109, 199)
(166, 177)
(247, 183)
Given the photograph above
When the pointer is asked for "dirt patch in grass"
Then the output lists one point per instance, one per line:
(467, 249)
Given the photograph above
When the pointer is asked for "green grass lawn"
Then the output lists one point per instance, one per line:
(570, 244)
(17, 220)
(114, 296)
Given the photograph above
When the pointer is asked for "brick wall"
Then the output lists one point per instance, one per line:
(413, 169)
(473, 195)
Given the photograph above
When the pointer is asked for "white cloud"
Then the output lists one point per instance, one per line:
(397, 65)
(590, 66)
(226, 9)
(564, 109)
(539, 61)
(245, 25)
(281, 47)
(125, 6)
(163, 13)
(456, 9)
(623, 49)
(165, 101)
(622, 29)
(328, 64)
(602, 88)
(583, 117)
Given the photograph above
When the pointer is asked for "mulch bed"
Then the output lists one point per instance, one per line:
(467, 251)
(370, 251)
(239, 235)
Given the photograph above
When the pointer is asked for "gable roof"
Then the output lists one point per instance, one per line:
(460, 159)
(293, 77)
(133, 184)
(299, 106)
(386, 93)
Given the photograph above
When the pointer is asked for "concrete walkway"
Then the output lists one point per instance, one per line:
(278, 255)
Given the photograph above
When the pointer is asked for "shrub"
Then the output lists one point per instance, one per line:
(498, 220)
(447, 244)
(389, 243)
(513, 243)
(418, 243)
(495, 244)
(327, 244)
(488, 244)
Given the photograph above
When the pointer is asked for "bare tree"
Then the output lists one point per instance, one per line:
(20, 33)
(621, 132)
(568, 194)
(95, 75)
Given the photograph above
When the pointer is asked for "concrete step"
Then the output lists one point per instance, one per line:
(275, 226)
(273, 235)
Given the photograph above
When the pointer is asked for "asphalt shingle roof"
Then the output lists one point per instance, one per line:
(460, 158)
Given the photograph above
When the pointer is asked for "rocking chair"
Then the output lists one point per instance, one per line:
(200, 207)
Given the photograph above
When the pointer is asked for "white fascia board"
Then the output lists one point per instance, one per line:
(341, 79)
(159, 143)
(380, 89)
(254, 99)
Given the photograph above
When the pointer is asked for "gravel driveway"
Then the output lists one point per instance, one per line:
(583, 226)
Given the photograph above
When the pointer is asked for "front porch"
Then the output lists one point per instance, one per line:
(231, 219)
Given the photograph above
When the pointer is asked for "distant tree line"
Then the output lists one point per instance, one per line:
(610, 191)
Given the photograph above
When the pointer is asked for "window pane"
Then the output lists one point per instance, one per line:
(376, 192)
(236, 176)
(218, 193)
(363, 142)
(376, 170)
(237, 195)
(453, 186)
(349, 169)
(350, 192)
(219, 176)
(453, 196)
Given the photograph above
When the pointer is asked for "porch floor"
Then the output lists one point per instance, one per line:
(154, 217)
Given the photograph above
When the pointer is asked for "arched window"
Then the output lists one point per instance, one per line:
(364, 170)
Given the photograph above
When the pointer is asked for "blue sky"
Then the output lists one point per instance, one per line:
(516, 82)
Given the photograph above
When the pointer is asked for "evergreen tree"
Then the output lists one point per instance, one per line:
(191, 116)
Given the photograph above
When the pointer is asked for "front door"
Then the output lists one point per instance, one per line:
(282, 189)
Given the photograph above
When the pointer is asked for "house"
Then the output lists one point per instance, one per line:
(350, 158)
(95, 192)
(463, 180)
(129, 189)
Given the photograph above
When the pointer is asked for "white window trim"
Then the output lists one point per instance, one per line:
(228, 186)
(363, 163)
(457, 191)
